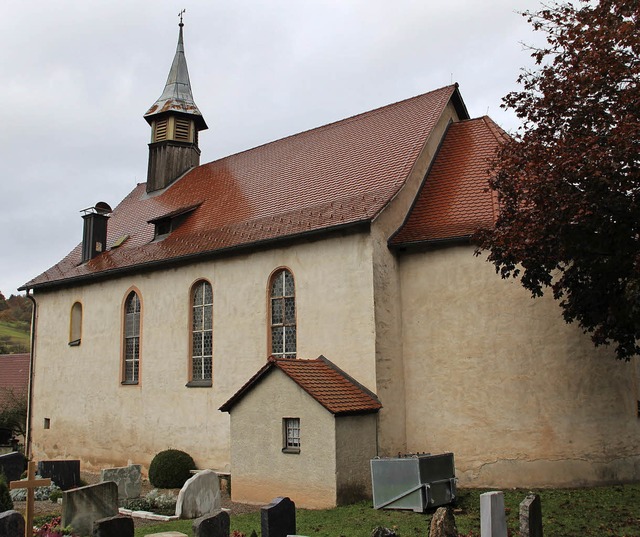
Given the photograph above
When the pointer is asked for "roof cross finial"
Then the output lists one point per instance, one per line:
(180, 15)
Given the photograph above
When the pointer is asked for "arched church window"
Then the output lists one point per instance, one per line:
(282, 315)
(201, 366)
(75, 325)
(131, 342)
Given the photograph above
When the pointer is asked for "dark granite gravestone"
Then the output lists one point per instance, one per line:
(531, 516)
(12, 465)
(216, 525)
(83, 506)
(115, 526)
(65, 474)
(278, 519)
(11, 524)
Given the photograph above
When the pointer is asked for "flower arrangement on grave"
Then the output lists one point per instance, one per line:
(53, 528)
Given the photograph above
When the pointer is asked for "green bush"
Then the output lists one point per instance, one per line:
(169, 469)
(6, 503)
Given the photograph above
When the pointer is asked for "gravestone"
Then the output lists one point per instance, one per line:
(216, 525)
(11, 524)
(167, 534)
(381, 531)
(115, 526)
(493, 522)
(12, 465)
(531, 516)
(443, 523)
(278, 519)
(65, 473)
(199, 496)
(128, 479)
(81, 507)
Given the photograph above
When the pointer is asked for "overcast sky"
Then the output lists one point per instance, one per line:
(79, 75)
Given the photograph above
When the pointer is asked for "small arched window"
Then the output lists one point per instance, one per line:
(283, 315)
(201, 334)
(131, 341)
(75, 325)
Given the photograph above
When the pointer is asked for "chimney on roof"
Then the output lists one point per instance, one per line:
(175, 122)
(94, 236)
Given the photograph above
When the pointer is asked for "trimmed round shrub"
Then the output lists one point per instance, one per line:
(169, 469)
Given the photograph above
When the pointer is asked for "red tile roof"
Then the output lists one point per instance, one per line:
(455, 200)
(321, 379)
(14, 375)
(338, 175)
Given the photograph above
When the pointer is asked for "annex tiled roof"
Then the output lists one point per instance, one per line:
(338, 175)
(321, 379)
(455, 200)
(14, 375)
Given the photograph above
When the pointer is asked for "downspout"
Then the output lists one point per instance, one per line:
(27, 447)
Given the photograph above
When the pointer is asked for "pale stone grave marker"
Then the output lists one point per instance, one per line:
(216, 525)
(30, 484)
(531, 516)
(493, 522)
(443, 523)
(199, 496)
(81, 507)
(12, 524)
(278, 519)
(128, 479)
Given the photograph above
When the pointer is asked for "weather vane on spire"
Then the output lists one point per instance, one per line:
(180, 15)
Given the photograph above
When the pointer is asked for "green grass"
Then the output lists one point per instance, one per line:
(14, 336)
(594, 512)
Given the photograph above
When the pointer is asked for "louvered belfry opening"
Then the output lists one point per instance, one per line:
(175, 121)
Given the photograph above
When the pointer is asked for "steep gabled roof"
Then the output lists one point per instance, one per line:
(342, 174)
(321, 379)
(454, 200)
(14, 375)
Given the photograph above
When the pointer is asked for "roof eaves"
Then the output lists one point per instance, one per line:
(430, 243)
(180, 260)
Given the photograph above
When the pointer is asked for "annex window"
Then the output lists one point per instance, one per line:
(75, 325)
(283, 315)
(291, 435)
(131, 339)
(201, 334)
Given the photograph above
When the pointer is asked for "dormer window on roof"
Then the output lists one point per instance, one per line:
(167, 223)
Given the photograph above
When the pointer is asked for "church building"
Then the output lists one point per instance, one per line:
(321, 290)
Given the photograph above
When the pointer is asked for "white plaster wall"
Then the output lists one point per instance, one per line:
(389, 353)
(498, 378)
(96, 419)
(260, 470)
(356, 440)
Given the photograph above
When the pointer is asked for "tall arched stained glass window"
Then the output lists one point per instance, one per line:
(283, 315)
(131, 339)
(202, 333)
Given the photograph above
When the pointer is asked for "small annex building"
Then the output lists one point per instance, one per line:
(306, 429)
(352, 241)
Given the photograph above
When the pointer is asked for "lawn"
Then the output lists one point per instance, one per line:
(14, 336)
(602, 511)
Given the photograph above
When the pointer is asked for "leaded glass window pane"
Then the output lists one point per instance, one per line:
(132, 338)
(283, 315)
(202, 332)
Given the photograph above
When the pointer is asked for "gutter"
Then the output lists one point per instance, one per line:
(32, 350)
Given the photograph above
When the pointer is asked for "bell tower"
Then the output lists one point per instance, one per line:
(175, 122)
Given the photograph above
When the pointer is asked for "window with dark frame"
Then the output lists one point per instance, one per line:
(132, 339)
(283, 315)
(291, 435)
(202, 334)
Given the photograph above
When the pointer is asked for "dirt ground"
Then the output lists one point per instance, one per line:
(49, 508)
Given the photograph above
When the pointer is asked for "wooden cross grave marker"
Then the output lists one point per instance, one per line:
(30, 484)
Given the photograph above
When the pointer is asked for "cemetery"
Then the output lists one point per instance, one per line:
(120, 502)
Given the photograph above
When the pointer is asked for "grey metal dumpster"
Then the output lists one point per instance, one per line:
(414, 482)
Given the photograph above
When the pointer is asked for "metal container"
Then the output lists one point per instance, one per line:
(415, 482)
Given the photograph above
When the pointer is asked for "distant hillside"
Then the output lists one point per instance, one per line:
(15, 324)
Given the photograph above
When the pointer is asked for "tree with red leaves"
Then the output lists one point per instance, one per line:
(568, 181)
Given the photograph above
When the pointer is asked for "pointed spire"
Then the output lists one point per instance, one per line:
(177, 96)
